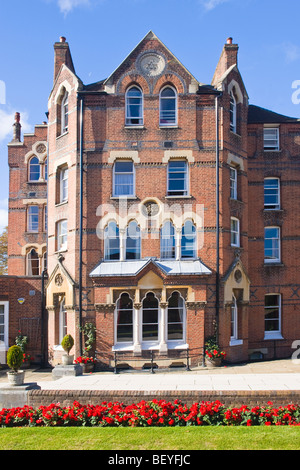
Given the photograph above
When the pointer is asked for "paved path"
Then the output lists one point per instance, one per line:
(270, 375)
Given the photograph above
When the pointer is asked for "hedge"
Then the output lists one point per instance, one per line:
(152, 413)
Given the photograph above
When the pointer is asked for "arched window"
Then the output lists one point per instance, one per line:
(33, 263)
(133, 241)
(167, 241)
(176, 314)
(233, 112)
(150, 318)
(34, 169)
(167, 107)
(124, 321)
(134, 107)
(111, 242)
(188, 240)
(65, 113)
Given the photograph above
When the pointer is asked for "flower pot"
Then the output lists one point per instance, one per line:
(88, 367)
(16, 378)
(67, 360)
(213, 361)
(26, 365)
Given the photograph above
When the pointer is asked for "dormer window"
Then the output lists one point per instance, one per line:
(134, 107)
(168, 107)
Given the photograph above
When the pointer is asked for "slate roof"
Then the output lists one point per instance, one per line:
(258, 115)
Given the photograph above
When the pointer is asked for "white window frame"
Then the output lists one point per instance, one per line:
(275, 138)
(108, 237)
(34, 157)
(62, 235)
(31, 226)
(124, 173)
(235, 232)
(63, 184)
(173, 342)
(168, 124)
(273, 334)
(123, 344)
(65, 113)
(185, 191)
(274, 259)
(233, 183)
(167, 241)
(29, 263)
(269, 206)
(150, 343)
(233, 112)
(129, 118)
(194, 237)
(4, 343)
(133, 236)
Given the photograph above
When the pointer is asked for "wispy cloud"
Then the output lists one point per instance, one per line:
(66, 6)
(291, 51)
(211, 4)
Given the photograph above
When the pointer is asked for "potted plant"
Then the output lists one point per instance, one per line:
(87, 363)
(22, 341)
(67, 344)
(14, 362)
(213, 353)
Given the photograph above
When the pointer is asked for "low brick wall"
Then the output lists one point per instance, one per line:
(229, 398)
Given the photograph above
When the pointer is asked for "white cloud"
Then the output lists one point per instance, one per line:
(291, 51)
(211, 4)
(7, 119)
(3, 214)
(67, 5)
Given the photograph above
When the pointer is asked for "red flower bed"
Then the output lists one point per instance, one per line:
(153, 413)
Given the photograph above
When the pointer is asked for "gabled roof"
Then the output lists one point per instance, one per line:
(150, 35)
(258, 115)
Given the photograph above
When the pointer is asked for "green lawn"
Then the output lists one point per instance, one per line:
(191, 438)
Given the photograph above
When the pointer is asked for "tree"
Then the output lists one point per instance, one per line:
(3, 252)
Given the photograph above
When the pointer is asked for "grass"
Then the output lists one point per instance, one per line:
(112, 439)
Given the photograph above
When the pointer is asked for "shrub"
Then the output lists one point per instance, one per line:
(14, 357)
(67, 343)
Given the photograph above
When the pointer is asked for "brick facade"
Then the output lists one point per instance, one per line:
(140, 148)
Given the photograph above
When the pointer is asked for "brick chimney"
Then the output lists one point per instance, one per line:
(228, 58)
(62, 55)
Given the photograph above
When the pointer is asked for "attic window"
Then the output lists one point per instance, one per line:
(168, 107)
(232, 112)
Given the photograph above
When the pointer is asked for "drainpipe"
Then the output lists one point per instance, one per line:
(81, 222)
(217, 219)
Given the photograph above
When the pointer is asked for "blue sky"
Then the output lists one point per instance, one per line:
(101, 33)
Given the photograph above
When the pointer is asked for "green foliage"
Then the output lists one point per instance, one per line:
(21, 341)
(89, 331)
(67, 343)
(14, 357)
(3, 252)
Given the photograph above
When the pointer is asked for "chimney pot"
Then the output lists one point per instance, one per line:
(62, 39)
(229, 41)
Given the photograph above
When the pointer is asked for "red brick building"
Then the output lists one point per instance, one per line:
(169, 212)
